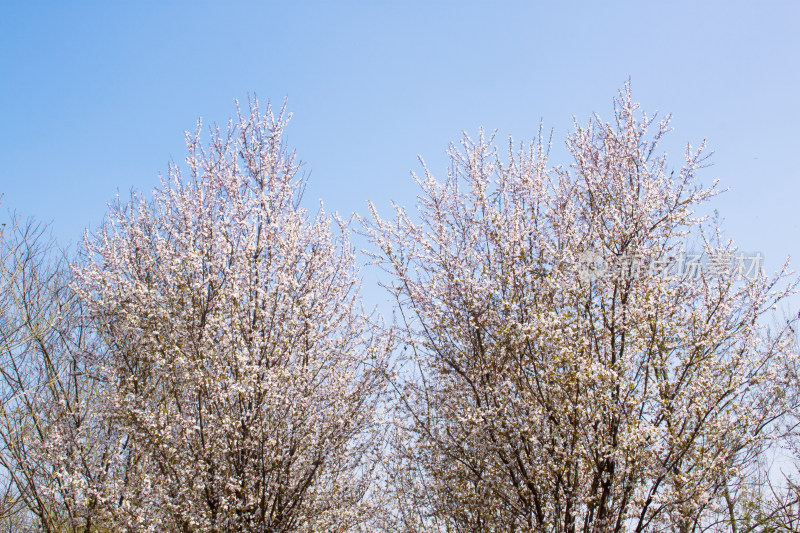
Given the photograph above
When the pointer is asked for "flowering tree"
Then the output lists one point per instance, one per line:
(569, 376)
(237, 363)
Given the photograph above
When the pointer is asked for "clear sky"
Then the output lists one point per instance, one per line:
(94, 97)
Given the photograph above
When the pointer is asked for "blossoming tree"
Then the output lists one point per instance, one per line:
(567, 377)
(237, 361)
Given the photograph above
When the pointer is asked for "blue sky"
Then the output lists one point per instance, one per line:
(94, 97)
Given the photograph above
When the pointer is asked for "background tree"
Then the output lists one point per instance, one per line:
(772, 502)
(550, 395)
(54, 451)
(237, 359)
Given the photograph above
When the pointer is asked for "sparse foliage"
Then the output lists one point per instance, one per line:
(53, 449)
